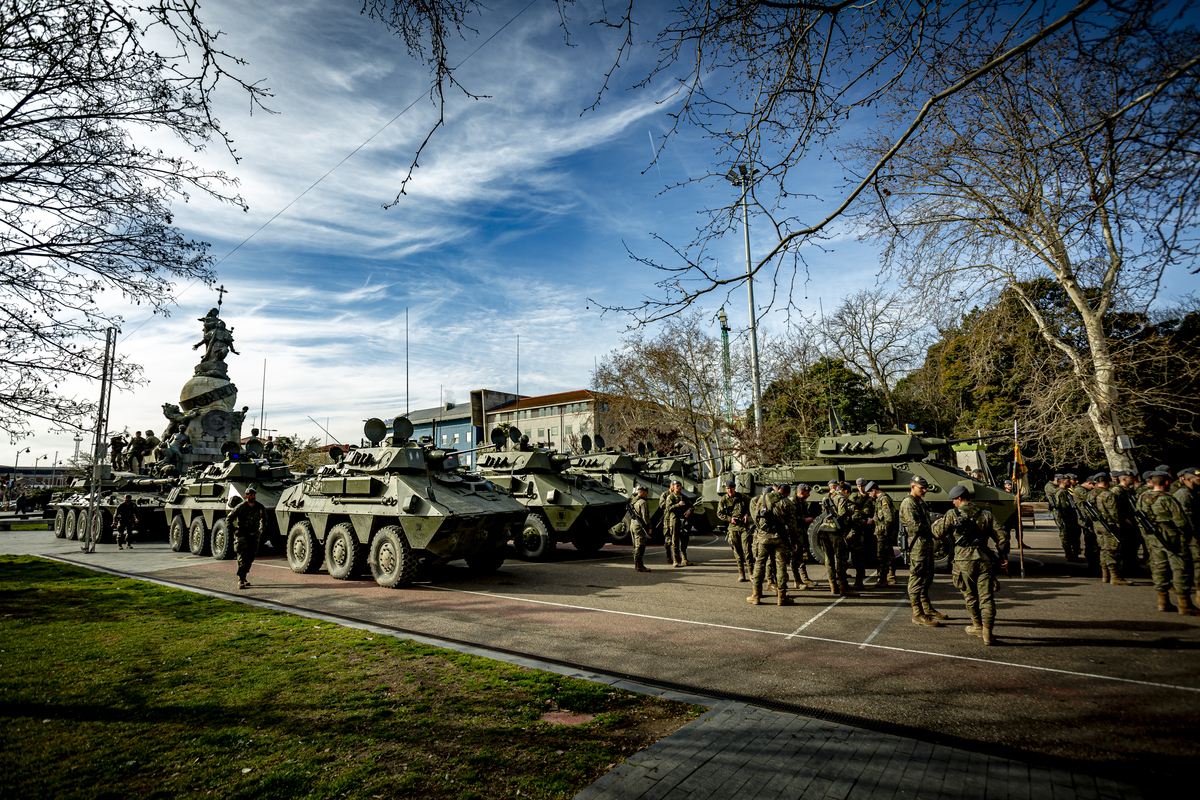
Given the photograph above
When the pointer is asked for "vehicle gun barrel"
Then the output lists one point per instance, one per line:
(946, 442)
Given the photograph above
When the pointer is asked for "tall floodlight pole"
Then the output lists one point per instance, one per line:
(742, 178)
(728, 373)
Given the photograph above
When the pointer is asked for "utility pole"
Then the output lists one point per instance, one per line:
(743, 178)
(101, 434)
(728, 372)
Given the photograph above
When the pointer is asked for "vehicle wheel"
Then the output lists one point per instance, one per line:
(392, 560)
(487, 562)
(943, 549)
(69, 523)
(60, 524)
(814, 538)
(533, 543)
(343, 553)
(177, 534)
(198, 537)
(82, 524)
(620, 533)
(222, 541)
(102, 527)
(304, 552)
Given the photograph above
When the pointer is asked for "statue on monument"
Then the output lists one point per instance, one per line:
(217, 343)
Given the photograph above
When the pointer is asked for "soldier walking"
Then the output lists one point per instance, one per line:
(246, 521)
(972, 529)
(124, 521)
(639, 527)
(734, 510)
(675, 512)
(772, 533)
(885, 535)
(801, 551)
(1169, 536)
(918, 539)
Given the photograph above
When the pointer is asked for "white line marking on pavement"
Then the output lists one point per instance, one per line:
(886, 620)
(993, 662)
(814, 619)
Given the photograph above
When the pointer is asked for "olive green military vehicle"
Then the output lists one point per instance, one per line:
(622, 472)
(72, 508)
(561, 506)
(393, 506)
(891, 459)
(687, 471)
(196, 509)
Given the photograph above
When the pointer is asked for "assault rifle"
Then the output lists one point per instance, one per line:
(1096, 516)
(904, 545)
(1151, 527)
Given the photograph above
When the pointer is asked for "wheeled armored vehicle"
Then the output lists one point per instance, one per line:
(72, 509)
(393, 506)
(561, 506)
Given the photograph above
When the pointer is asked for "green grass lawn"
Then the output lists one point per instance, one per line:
(116, 688)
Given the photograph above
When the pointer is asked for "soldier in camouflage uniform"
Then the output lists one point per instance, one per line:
(773, 518)
(1091, 547)
(675, 512)
(918, 537)
(1068, 519)
(832, 536)
(861, 537)
(1051, 490)
(639, 528)
(1109, 533)
(885, 534)
(1170, 539)
(806, 512)
(124, 521)
(1186, 494)
(734, 510)
(246, 522)
(1131, 534)
(974, 573)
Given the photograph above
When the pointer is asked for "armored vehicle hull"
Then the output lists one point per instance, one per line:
(561, 507)
(393, 508)
(621, 473)
(73, 516)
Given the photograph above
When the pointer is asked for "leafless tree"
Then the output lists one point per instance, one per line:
(84, 207)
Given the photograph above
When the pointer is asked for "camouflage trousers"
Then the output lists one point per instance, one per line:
(885, 556)
(638, 534)
(1169, 569)
(741, 541)
(1091, 546)
(978, 584)
(1068, 534)
(836, 555)
(920, 575)
(770, 548)
(122, 531)
(862, 548)
(801, 552)
(675, 542)
(1110, 551)
(246, 547)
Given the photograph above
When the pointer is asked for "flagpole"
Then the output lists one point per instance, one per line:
(1017, 486)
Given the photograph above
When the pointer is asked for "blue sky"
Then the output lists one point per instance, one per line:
(521, 210)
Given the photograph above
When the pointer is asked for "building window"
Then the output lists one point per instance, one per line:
(527, 433)
(455, 440)
(541, 433)
(468, 437)
(554, 431)
(443, 438)
(567, 430)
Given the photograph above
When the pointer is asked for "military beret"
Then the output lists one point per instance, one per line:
(1071, 475)
(1162, 468)
(1158, 473)
(1101, 476)
(834, 482)
(871, 485)
(957, 491)
(803, 487)
(919, 481)
(1058, 476)
(1146, 475)
(730, 482)
(128, 497)
(1193, 471)
(859, 481)
(676, 482)
(250, 490)
(783, 486)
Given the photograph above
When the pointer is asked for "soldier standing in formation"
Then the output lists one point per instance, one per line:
(861, 538)
(1081, 491)
(1186, 494)
(801, 552)
(885, 535)
(675, 511)
(246, 521)
(1111, 528)
(734, 510)
(1068, 518)
(1131, 538)
(1169, 535)
(918, 538)
(639, 528)
(972, 528)
(773, 519)
(124, 521)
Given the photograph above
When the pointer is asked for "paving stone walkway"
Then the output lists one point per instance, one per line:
(738, 751)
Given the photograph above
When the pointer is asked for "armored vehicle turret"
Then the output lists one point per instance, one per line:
(72, 509)
(704, 516)
(197, 507)
(392, 506)
(561, 506)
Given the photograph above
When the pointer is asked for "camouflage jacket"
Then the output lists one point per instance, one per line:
(137, 446)
(673, 506)
(863, 508)
(1191, 509)
(733, 511)
(885, 515)
(1124, 498)
(1064, 501)
(1106, 503)
(639, 510)
(914, 519)
(773, 516)
(247, 518)
(1167, 512)
(972, 529)
(805, 509)
(843, 512)
(126, 513)
(1081, 495)
(1050, 490)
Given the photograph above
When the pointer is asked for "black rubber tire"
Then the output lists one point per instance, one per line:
(102, 527)
(943, 549)
(533, 542)
(814, 538)
(177, 534)
(393, 563)
(198, 542)
(69, 529)
(343, 552)
(486, 563)
(304, 553)
(60, 524)
(82, 524)
(620, 533)
(221, 541)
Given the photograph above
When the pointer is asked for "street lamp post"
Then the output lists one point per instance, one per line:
(728, 372)
(743, 178)
(13, 480)
(35, 464)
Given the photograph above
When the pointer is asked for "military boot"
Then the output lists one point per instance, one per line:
(975, 628)
(808, 582)
(638, 565)
(858, 583)
(931, 612)
(892, 577)
(1104, 574)
(755, 598)
(881, 579)
(988, 638)
(1164, 602)
(742, 573)
(833, 587)
(1115, 578)
(848, 592)
(784, 600)
(1186, 607)
(919, 618)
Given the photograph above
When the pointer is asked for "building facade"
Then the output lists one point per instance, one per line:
(555, 421)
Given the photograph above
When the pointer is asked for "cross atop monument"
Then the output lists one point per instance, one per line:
(221, 292)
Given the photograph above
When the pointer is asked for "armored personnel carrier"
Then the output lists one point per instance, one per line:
(623, 473)
(561, 506)
(704, 514)
(891, 459)
(72, 509)
(196, 509)
(393, 506)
